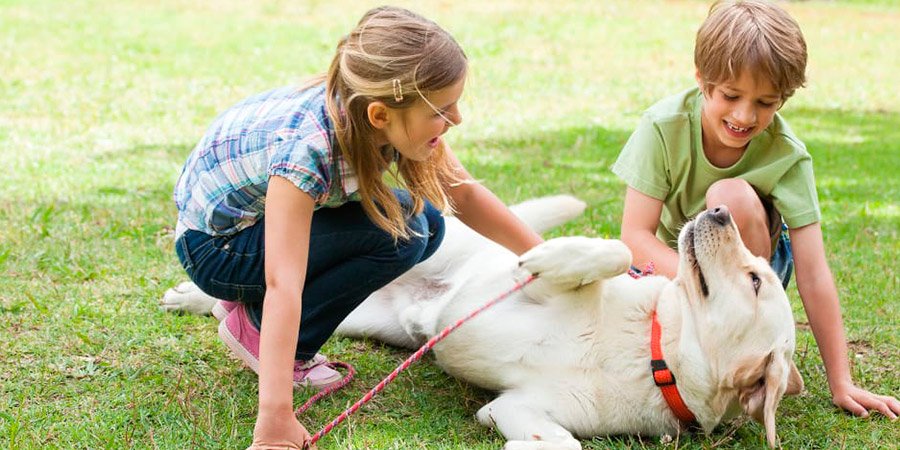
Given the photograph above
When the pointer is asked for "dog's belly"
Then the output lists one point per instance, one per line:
(517, 342)
(501, 349)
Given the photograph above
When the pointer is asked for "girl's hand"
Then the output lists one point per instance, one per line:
(860, 401)
(279, 431)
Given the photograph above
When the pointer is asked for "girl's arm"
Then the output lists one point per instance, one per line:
(820, 300)
(639, 222)
(288, 219)
(481, 210)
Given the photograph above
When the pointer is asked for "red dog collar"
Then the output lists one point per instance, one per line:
(664, 378)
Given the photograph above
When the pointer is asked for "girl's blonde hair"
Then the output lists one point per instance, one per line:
(396, 57)
(751, 35)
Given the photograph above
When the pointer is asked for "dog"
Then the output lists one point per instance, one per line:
(570, 353)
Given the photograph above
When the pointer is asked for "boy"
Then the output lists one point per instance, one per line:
(724, 143)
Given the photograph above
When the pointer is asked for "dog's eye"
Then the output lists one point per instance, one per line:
(754, 278)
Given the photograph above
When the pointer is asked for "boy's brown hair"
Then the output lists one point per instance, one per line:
(751, 35)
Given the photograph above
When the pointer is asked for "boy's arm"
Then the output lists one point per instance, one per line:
(820, 300)
(639, 222)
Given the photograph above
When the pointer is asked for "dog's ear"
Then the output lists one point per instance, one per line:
(795, 381)
(750, 380)
(761, 385)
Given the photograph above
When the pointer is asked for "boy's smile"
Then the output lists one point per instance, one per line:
(734, 112)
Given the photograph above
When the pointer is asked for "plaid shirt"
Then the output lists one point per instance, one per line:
(284, 132)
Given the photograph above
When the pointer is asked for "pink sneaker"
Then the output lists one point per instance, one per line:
(221, 309)
(242, 338)
(315, 373)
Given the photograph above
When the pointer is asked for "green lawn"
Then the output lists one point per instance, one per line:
(100, 103)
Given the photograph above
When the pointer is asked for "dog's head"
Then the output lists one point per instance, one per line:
(742, 317)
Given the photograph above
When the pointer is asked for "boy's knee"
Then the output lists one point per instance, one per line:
(738, 195)
(747, 210)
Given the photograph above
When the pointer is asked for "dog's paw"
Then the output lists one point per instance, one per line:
(576, 261)
(188, 298)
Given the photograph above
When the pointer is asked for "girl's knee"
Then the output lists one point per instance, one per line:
(411, 250)
(435, 228)
(426, 229)
(426, 233)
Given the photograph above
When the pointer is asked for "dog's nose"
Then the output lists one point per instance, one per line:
(720, 215)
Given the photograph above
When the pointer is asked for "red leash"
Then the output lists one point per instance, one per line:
(415, 357)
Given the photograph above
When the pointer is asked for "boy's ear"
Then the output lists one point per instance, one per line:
(704, 87)
(378, 114)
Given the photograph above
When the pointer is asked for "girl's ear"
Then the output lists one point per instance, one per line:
(378, 114)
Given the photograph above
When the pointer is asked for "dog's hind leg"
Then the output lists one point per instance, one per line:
(187, 297)
(525, 425)
(378, 317)
(544, 213)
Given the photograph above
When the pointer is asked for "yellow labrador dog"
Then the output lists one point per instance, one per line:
(570, 354)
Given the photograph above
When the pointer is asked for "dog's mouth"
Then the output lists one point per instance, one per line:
(690, 251)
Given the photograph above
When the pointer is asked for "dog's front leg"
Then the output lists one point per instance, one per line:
(568, 263)
(525, 425)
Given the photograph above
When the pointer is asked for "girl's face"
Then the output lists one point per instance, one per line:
(736, 111)
(416, 131)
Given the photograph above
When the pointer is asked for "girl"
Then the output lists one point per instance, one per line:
(284, 211)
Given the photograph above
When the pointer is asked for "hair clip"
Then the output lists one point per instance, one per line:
(398, 90)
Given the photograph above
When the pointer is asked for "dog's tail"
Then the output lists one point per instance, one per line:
(544, 213)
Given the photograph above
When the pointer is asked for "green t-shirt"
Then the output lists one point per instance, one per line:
(664, 159)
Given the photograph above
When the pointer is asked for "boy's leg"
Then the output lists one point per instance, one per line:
(747, 211)
(783, 258)
(759, 222)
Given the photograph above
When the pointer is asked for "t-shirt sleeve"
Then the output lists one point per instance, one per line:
(795, 197)
(642, 162)
(303, 165)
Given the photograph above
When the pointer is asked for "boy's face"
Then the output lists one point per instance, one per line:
(736, 111)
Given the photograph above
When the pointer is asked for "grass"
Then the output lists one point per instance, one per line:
(100, 103)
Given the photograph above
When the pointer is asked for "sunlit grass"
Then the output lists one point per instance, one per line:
(100, 103)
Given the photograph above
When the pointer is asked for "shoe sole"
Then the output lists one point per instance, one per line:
(237, 349)
(219, 311)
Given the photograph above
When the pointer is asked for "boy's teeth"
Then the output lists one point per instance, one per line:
(738, 129)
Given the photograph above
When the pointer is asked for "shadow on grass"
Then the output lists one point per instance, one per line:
(856, 155)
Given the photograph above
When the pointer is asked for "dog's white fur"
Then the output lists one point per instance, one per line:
(570, 353)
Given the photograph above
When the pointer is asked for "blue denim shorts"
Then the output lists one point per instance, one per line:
(783, 258)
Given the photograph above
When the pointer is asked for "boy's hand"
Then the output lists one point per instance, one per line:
(860, 401)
